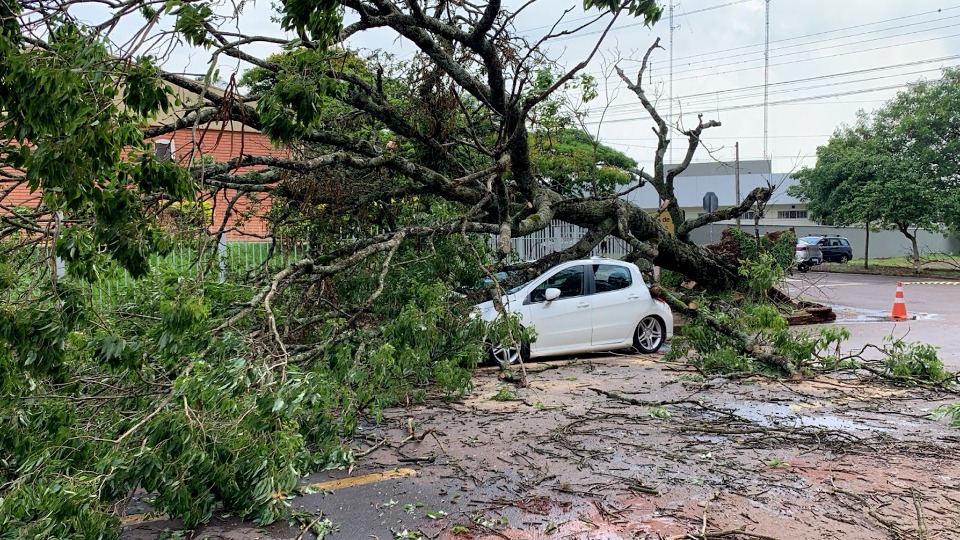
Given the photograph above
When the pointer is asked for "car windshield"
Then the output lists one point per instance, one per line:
(810, 239)
(518, 287)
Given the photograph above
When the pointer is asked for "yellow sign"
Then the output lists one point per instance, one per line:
(664, 220)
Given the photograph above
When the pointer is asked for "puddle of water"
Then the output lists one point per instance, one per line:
(848, 315)
(769, 414)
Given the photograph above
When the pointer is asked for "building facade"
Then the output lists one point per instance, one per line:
(720, 178)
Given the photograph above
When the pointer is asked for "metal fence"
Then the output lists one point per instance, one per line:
(558, 236)
(220, 262)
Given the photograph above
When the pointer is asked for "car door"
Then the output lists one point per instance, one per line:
(616, 303)
(845, 248)
(564, 323)
(829, 248)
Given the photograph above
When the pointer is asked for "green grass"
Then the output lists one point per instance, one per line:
(932, 260)
(931, 265)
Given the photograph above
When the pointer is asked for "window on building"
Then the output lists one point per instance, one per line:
(750, 214)
(163, 149)
(792, 214)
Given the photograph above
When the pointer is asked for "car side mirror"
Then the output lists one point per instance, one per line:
(551, 294)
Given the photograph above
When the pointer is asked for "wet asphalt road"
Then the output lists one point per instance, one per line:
(863, 304)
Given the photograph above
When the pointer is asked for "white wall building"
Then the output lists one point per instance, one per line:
(701, 178)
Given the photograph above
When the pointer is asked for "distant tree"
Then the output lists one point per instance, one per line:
(918, 134)
(898, 168)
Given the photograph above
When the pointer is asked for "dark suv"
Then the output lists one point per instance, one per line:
(834, 248)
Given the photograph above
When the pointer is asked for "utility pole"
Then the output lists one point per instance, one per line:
(736, 175)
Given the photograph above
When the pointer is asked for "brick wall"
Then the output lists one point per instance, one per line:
(246, 219)
(221, 144)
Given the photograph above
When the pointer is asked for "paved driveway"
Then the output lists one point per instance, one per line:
(863, 305)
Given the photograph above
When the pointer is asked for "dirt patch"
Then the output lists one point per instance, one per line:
(831, 458)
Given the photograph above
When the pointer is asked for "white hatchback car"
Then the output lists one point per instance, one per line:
(582, 306)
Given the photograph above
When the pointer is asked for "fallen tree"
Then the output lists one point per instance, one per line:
(396, 174)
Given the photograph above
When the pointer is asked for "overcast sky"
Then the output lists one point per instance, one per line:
(828, 58)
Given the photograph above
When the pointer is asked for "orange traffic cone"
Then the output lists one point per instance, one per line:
(899, 311)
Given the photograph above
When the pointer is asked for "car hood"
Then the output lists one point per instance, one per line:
(487, 310)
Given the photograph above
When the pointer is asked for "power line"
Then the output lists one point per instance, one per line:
(709, 96)
(845, 53)
(724, 52)
(588, 17)
(781, 102)
(706, 98)
(847, 44)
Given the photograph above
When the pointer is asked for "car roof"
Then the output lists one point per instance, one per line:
(604, 260)
(596, 260)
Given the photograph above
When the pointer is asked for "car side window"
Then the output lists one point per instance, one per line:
(844, 242)
(569, 281)
(611, 277)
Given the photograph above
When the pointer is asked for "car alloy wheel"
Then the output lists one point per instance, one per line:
(843, 259)
(649, 335)
(506, 355)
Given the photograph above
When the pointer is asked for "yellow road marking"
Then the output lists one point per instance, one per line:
(351, 481)
(137, 519)
(328, 485)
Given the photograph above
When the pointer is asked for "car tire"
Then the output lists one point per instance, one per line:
(844, 259)
(649, 335)
(505, 355)
(803, 267)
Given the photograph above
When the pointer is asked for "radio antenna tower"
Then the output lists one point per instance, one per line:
(671, 122)
(766, 82)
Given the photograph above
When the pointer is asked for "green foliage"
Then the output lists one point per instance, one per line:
(650, 10)
(670, 279)
(318, 17)
(951, 411)
(910, 363)
(780, 247)
(101, 399)
(87, 154)
(762, 273)
(191, 18)
(658, 412)
(717, 354)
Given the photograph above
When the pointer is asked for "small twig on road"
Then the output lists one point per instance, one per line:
(894, 529)
(921, 523)
(734, 533)
(645, 403)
